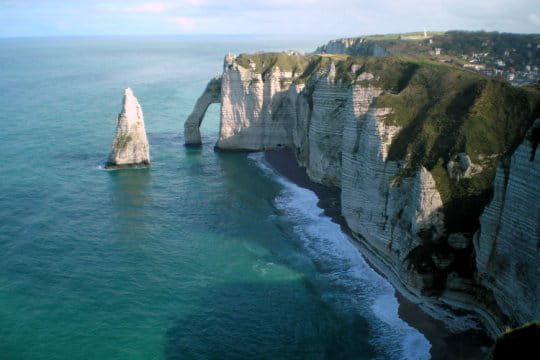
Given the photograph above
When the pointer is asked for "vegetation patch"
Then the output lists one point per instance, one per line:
(263, 62)
(517, 50)
(444, 111)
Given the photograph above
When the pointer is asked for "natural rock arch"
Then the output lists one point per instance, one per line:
(211, 95)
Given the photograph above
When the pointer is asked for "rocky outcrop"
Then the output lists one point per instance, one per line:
(130, 146)
(508, 243)
(352, 46)
(254, 115)
(320, 126)
(461, 167)
(211, 95)
(404, 178)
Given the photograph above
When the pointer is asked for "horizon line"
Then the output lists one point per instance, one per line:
(299, 35)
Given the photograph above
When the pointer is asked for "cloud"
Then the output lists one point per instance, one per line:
(158, 7)
(535, 19)
(337, 17)
(151, 7)
(183, 22)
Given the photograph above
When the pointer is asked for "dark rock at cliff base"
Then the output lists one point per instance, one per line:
(521, 343)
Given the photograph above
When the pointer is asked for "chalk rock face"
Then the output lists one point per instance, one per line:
(341, 138)
(211, 95)
(508, 242)
(130, 146)
(390, 215)
(322, 124)
(352, 46)
(253, 113)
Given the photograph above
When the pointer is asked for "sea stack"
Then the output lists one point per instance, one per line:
(130, 148)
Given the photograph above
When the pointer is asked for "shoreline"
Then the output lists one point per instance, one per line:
(445, 344)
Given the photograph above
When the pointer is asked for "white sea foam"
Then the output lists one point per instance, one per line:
(357, 288)
(101, 165)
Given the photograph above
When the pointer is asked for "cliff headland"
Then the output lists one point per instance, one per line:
(435, 161)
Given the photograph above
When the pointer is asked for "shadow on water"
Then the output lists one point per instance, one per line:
(263, 319)
(282, 319)
(165, 138)
(244, 178)
(130, 194)
(193, 150)
(266, 320)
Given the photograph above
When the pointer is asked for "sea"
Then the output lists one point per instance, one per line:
(205, 255)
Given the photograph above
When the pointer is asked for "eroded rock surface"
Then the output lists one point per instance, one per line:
(253, 113)
(352, 46)
(508, 242)
(130, 146)
(211, 95)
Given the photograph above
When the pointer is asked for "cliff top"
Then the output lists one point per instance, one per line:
(264, 61)
(456, 42)
(513, 56)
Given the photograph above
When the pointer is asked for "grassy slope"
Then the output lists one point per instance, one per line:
(522, 48)
(263, 62)
(445, 111)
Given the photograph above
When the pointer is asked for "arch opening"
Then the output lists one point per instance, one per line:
(211, 95)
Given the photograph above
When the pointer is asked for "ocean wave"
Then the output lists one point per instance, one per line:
(357, 288)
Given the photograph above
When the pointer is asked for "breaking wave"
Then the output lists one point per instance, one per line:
(354, 286)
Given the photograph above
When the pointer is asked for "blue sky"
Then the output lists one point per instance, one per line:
(333, 17)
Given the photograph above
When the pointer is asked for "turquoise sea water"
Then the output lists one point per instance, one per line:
(204, 256)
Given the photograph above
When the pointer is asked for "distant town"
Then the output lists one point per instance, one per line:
(512, 57)
(495, 64)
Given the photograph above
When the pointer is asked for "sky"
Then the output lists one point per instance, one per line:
(302, 17)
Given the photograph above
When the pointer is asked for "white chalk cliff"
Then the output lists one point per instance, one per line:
(341, 136)
(130, 146)
(211, 95)
(508, 243)
(352, 46)
(253, 116)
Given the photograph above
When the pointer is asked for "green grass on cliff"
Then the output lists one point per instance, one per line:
(517, 50)
(391, 73)
(262, 62)
(444, 111)
(419, 35)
